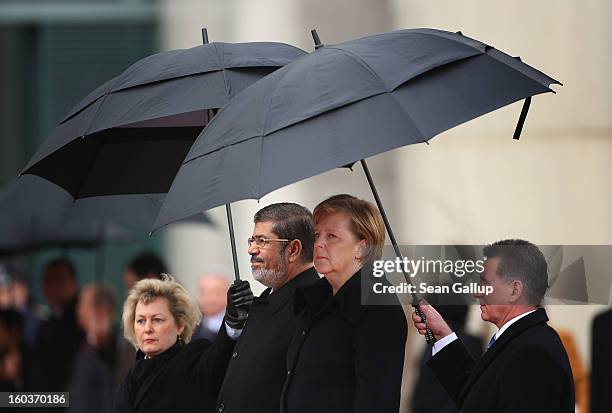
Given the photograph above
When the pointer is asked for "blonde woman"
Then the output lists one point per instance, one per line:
(346, 357)
(172, 374)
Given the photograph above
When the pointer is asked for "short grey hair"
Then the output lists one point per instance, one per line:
(522, 260)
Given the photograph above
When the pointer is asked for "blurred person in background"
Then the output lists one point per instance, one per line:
(32, 313)
(172, 373)
(6, 291)
(59, 337)
(145, 265)
(19, 369)
(212, 299)
(15, 294)
(579, 373)
(347, 355)
(601, 363)
(428, 394)
(281, 259)
(94, 371)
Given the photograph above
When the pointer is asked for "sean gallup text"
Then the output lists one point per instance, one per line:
(424, 288)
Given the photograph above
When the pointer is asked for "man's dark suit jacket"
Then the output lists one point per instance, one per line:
(526, 370)
(601, 364)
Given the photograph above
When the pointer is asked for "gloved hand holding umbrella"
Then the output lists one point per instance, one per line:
(239, 301)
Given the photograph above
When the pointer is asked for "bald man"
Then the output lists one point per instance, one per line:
(212, 300)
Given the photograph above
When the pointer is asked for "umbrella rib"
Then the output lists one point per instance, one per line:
(272, 93)
(93, 118)
(363, 63)
(222, 66)
(221, 147)
(85, 175)
(421, 134)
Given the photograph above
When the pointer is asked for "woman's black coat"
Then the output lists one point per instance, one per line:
(184, 378)
(345, 356)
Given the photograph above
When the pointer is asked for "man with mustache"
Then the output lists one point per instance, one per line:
(281, 249)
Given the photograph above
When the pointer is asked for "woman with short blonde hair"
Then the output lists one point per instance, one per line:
(180, 305)
(171, 373)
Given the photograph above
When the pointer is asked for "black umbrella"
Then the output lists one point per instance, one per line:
(131, 134)
(341, 104)
(344, 103)
(36, 214)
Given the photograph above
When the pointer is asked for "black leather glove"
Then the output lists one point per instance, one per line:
(239, 300)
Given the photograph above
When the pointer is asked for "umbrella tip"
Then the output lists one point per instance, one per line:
(204, 35)
(459, 33)
(315, 37)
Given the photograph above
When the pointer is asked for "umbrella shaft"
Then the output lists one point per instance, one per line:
(230, 224)
(415, 299)
(381, 209)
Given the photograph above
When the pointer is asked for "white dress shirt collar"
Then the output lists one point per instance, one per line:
(508, 323)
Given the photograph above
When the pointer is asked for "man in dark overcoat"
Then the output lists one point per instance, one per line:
(525, 368)
(281, 250)
(59, 337)
(601, 363)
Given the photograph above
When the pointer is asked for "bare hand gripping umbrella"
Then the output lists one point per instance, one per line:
(341, 104)
(131, 134)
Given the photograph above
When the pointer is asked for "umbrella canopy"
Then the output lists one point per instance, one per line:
(343, 103)
(37, 214)
(131, 134)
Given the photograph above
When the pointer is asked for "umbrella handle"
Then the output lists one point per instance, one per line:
(428, 334)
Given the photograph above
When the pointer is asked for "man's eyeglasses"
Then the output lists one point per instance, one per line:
(262, 242)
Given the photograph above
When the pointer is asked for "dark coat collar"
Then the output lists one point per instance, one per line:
(279, 298)
(176, 347)
(319, 297)
(538, 317)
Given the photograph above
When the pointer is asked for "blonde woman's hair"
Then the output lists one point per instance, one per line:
(180, 304)
(366, 221)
